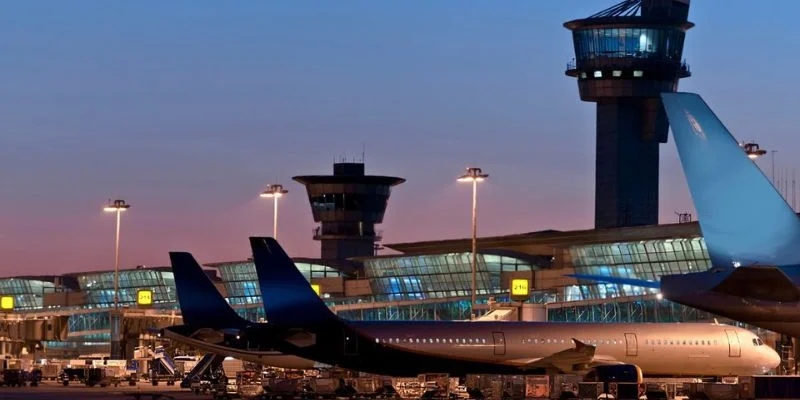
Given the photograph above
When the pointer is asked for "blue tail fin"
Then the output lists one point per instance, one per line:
(201, 303)
(743, 218)
(617, 280)
(289, 299)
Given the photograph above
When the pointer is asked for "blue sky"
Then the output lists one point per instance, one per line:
(187, 109)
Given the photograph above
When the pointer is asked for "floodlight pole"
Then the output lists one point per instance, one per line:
(474, 175)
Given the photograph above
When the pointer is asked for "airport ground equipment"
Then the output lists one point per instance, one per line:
(162, 369)
(226, 389)
(151, 395)
(205, 369)
(13, 377)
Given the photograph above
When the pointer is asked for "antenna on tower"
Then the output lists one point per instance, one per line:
(363, 152)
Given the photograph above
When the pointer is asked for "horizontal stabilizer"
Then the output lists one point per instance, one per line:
(759, 283)
(744, 219)
(617, 280)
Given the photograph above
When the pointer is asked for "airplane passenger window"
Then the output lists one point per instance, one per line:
(483, 341)
(377, 340)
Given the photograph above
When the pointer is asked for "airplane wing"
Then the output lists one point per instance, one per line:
(761, 283)
(581, 357)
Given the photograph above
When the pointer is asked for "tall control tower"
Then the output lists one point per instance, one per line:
(347, 205)
(625, 56)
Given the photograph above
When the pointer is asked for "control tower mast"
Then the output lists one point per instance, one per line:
(347, 205)
(625, 56)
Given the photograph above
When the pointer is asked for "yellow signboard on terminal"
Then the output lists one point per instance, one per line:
(316, 288)
(7, 303)
(520, 289)
(144, 297)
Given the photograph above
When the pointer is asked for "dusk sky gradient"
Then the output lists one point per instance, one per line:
(188, 109)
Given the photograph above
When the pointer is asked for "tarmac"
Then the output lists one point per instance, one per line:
(55, 390)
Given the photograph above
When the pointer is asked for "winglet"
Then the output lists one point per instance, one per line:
(288, 297)
(743, 218)
(201, 303)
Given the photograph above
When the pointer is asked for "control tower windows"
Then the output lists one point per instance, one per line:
(349, 202)
(649, 43)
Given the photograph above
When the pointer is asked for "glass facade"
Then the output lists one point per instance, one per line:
(665, 43)
(99, 287)
(438, 275)
(643, 309)
(241, 281)
(28, 293)
(648, 260)
(86, 323)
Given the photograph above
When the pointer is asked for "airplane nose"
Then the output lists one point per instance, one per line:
(774, 359)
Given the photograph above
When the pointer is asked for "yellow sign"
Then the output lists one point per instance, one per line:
(316, 288)
(7, 302)
(144, 297)
(519, 288)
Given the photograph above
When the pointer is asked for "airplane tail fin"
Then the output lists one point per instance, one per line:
(743, 218)
(617, 280)
(288, 297)
(201, 303)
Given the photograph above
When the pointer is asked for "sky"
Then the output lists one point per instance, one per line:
(188, 109)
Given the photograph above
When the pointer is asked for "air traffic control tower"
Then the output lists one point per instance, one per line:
(347, 205)
(625, 56)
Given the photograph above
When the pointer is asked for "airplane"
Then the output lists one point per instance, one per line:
(211, 325)
(408, 348)
(751, 232)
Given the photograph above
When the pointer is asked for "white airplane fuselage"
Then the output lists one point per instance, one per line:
(682, 349)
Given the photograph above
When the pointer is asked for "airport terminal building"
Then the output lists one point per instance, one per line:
(620, 64)
(430, 280)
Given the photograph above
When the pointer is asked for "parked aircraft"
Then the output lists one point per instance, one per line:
(210, 324)
(407, 348)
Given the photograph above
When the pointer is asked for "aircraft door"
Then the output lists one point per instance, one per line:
(499, 343)
(350, 343)
(734, 347)
(631, 345)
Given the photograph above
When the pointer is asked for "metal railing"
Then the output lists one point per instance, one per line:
(317, 232)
